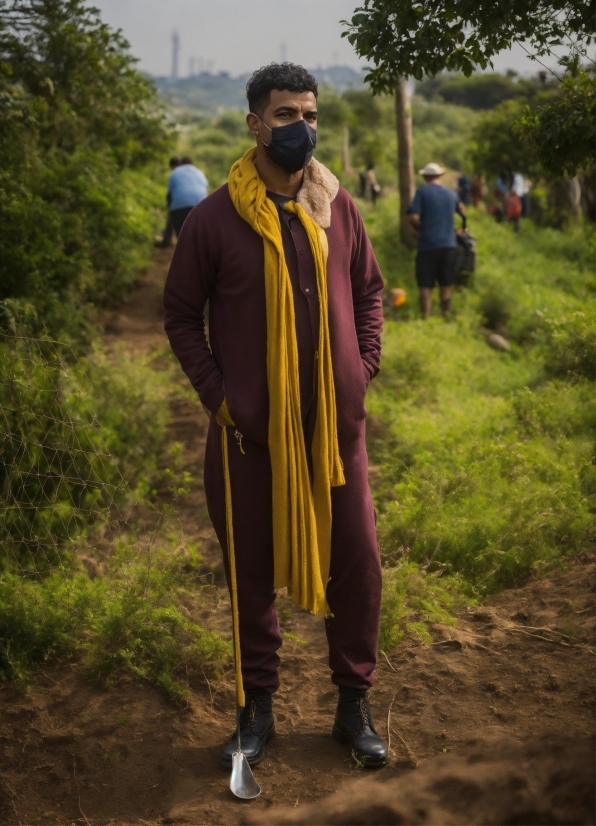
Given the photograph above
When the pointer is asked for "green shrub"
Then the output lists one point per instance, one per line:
(80, 134)
(573, 345)
(491, 514)
(496, 306)
(413, 600)
(148, 624)
(486, 458)
(561, 131)
(77, 438)
(480, 91)
(139, 619)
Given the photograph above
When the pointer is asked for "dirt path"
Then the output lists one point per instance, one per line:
(519, 668)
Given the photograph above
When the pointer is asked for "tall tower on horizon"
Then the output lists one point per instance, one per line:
(175, 51)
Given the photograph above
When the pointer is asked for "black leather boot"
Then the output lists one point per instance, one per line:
(354, 725)
(257, 727)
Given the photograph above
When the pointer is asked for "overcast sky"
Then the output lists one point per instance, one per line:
(240, 35)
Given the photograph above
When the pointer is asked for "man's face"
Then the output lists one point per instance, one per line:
(284, 107)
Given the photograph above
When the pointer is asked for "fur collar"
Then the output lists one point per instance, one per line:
(319, 188)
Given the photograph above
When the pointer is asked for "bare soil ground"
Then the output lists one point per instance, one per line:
(490, 724)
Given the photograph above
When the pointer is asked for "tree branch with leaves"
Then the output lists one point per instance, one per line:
(414, 38)
(411, 38)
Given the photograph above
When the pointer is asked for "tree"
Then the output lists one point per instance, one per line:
(405, 161)
(557, 144)
(480, 91)
(80, 72)
(76, 118)
(495, 145)
(411, 38)
(561, 131)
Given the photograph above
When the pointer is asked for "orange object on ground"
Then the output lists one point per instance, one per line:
(397, 297)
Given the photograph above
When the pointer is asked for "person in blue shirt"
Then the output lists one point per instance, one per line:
(166, 237)
(432, 212)
(187, 186)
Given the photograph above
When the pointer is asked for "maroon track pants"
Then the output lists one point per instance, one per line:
(354, 589)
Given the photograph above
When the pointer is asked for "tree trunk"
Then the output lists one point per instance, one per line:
(346, 150)
(405, 160)
(564, 198)
(588, 184)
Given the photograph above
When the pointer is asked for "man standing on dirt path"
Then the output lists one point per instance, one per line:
(295, 318)
(431, 212)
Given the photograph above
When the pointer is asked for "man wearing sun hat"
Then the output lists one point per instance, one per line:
(432, 212)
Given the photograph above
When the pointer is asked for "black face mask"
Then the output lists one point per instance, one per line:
(292, 146)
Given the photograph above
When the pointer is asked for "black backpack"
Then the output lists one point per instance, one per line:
(465, 257)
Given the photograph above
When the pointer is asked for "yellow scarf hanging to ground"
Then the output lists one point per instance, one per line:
(301, 510)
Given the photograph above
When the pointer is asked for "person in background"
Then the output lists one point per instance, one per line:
(372, 188)
(464, 190)
(478, 189)
(521, 186)
(501, 190)
(186, 188)
(362, 183)
(432, 212)
(166, 239)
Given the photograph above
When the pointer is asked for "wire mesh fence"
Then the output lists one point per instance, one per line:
(60, 486)
(90, 567)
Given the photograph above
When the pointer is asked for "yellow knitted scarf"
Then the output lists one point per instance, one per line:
(301, 510)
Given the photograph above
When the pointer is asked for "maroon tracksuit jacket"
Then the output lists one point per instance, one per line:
(220, 259)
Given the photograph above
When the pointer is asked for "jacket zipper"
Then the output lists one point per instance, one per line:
(238, 436)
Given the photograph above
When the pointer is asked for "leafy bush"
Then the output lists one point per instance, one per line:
(81, 136)
(486, 458)
(140, 619)
(491, 513)
(480, 91)
(443, 133)
(573, 344)
(495, 145)
(561, 132)
(77, 123)
(71, 434)
(413, 600)
(215, 143)
(496, 305)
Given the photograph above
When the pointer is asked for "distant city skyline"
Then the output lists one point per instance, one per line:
(238, 36)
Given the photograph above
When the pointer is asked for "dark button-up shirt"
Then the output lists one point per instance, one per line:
(301, 266)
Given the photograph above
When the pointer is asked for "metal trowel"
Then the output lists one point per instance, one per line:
(242, 781)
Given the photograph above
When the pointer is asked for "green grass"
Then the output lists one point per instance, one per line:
(487, 468)
(521, 279)
(80, 438)
(487, 458)
(139, 619)
(82, 441)
(414, 599)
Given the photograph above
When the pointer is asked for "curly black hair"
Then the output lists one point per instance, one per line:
(277, 76)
